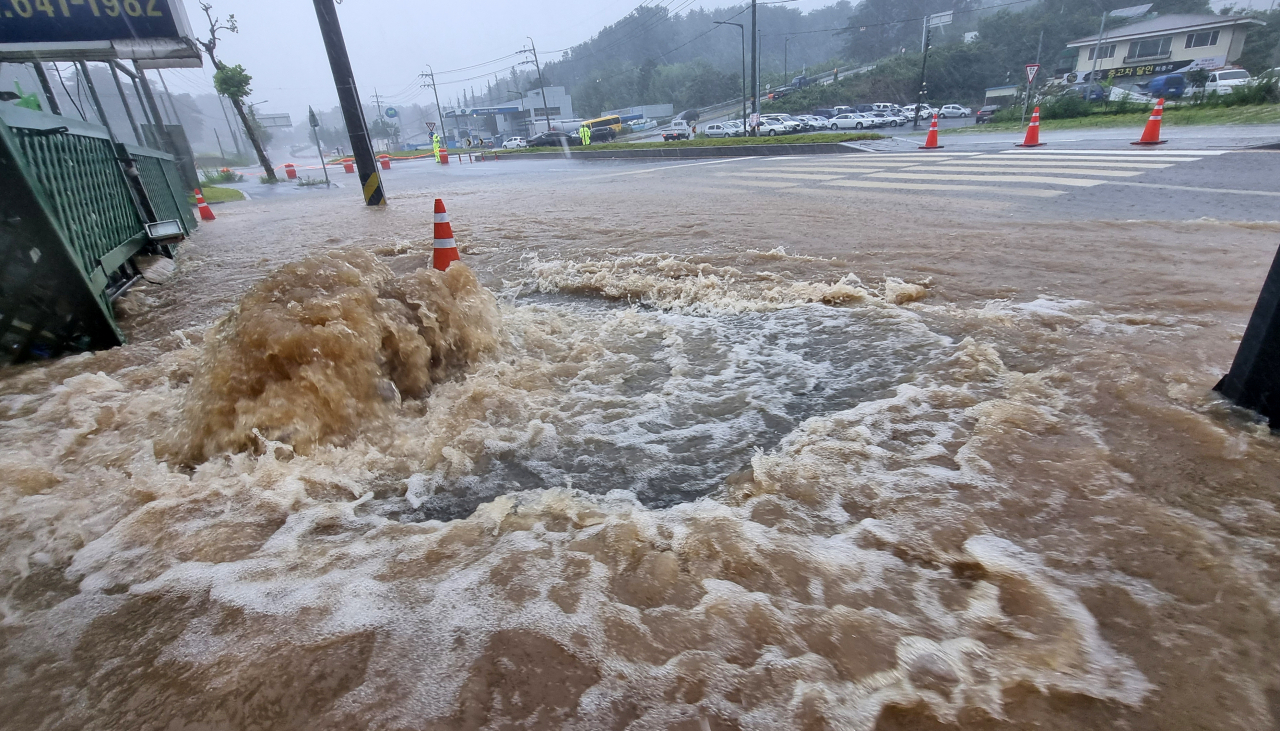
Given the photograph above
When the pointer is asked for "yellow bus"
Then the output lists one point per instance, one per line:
(613, 121)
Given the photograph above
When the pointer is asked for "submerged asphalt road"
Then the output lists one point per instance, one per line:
(1078, 175)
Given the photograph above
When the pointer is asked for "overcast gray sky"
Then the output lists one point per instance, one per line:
(391, 41)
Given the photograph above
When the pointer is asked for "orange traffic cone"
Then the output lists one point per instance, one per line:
(446, 251)
(206, 213)
(1033, 131)
(931, 142)
(1151, 135)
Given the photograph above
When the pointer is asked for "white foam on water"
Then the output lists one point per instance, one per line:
(757, 499)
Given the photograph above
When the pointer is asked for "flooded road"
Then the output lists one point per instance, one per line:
(667, 453)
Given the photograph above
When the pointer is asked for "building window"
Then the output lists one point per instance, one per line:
(1200, 40)
(1153, 48)
(1103, 51)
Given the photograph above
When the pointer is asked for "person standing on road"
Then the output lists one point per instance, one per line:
(435, 146)
(585, 135)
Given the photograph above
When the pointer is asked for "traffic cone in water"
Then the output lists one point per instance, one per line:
(931, 142)
(446, 251)
(1151, 135)
(206, 213)
(1033, 131)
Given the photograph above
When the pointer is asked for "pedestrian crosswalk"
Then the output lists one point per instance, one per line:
(1013, 173)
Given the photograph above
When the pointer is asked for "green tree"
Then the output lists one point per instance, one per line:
(233, 83)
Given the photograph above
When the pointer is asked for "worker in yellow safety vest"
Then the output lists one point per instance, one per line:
(585, 134)
(435, 146)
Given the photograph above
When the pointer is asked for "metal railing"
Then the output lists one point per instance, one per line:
(71, 218)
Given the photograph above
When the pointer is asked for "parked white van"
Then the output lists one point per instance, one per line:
(1224, 81)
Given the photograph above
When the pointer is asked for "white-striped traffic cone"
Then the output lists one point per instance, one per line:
(1151, 134)
(446, 250)
(206, 213)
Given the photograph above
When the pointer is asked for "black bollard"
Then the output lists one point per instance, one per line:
(1254, 379)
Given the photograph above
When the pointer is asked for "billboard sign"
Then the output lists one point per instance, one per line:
(96, 30)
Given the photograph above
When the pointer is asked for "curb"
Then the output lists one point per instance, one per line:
(811, 148)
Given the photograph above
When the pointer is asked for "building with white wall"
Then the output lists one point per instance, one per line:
(1162, 45)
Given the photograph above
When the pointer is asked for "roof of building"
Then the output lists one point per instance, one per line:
(1166, 24)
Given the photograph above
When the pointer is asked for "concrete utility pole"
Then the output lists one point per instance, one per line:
(439, 112)
(924, 63)
(755, 77)
(1254, 379)
(349, 98)
(546, 111)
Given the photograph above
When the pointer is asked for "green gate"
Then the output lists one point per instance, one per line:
(70, 220)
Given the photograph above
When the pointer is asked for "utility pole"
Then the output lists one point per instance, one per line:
(546, 112)
(755, 77)
(235, 139)
(743, 34)
(439, 112)
(349, 98)
(378, 101)
(924, 62)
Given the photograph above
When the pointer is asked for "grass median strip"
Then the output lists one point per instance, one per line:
(217, 194)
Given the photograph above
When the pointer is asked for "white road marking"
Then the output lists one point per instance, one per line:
(1074, 182)
(816, 169)
(762, 183)
(666, 167)
(997, 171)
(1073, 162)
(1224, 191)
(784, 176)
(998, 189)
(1132, 151)
(1118, 159)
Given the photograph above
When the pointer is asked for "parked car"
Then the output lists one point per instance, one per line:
(554, 138)
(837, 111)
(1090, 92)
(790, 125)
(889, 119)
(771, 128)
(515, 143)
(824, 113)
(780, 92)
(600, 135)
(985, 113)
(718, 130)
(1224, 81)
(954, 110)
(918, 111)
(851, 121)
(800, 82)
(883, 107)
(864, 108)
(1169, 86)
(736, 127)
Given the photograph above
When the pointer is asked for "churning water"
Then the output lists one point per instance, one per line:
(640, 493)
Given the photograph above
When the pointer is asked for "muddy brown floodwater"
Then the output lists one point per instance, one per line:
(694, 460)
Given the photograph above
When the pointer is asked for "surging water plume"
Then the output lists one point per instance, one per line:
(328, 343)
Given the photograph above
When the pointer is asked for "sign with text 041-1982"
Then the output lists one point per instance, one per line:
(69, 21)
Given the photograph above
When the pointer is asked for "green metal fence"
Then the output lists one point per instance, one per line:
(70, 220)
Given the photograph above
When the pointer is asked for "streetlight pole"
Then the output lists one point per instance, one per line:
(546, 111)
(742, 31)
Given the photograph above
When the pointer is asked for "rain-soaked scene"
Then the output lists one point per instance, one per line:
(878, 365)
